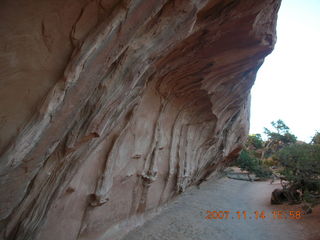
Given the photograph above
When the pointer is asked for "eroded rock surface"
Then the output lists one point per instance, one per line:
(111, 108)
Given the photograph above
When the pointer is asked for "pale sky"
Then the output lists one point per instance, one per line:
(288, 83)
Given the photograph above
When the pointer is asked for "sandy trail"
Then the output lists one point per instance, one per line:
(184, 219)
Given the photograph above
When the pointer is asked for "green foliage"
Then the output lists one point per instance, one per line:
(301, 164)
(255, 141)
(246, 161)
(280, 126)
(282, 134)
(301, 160)
(316, 138)
(269, 162)
(277, 139)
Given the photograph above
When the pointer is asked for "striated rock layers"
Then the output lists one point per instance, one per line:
(111, 108)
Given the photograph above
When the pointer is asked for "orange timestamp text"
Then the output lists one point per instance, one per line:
(255, 215)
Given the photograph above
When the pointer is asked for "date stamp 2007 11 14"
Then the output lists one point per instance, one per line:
(255, 215)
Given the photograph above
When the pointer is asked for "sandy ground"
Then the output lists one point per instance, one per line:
(185, 218)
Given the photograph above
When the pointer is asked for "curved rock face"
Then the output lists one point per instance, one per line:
(111, 108)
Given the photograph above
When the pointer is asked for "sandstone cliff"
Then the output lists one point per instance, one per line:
(110, 108)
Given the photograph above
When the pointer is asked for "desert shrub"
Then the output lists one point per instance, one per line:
(247, 161)
(255, 141)
(301, 164)
(269, 162)
(316, 138)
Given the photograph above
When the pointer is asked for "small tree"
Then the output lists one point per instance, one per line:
(282, 133)
(301, 164)
(277, 139)
(255, 141)
(247, 161)
(316, 138)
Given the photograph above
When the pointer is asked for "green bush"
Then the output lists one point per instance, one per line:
(246, 161)
(255, 141)
(301, 164)
(316, 138)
